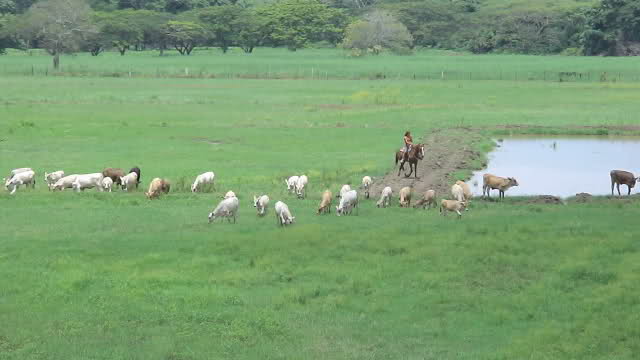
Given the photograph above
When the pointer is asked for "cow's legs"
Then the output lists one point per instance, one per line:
(618, 187)
(629, 188)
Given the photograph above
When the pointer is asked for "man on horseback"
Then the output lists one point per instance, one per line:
(408, 142)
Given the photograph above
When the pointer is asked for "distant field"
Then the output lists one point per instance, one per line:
(115, 276)
(329, 63)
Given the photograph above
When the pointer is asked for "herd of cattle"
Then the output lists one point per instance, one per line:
(227, 208)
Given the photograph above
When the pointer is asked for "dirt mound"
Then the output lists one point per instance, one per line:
(545, 199)
(445, 152)
(583, 197)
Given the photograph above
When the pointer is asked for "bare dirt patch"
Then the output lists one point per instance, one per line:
(545, 199)
(446, 151)
(583, 197)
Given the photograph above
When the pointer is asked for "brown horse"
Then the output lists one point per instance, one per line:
(415, 154)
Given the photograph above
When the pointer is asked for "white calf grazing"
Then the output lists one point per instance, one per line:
(229, 194)
(345, 189)
(457, 192)
(226, 208)
(53, 177)
(15, 172)
(107, 183)
(405, 197)
(348, 202)
(260, 203)
(65, 183)
(366, 185)
(301, 186)
(129, 181)
(201, 180)
(325, 204)
(452, 205)
(283, 215)
(385, 197)
(88, 181)
(23, 178)
(291, 183)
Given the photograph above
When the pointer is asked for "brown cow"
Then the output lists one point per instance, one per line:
(156, 187)
(492, 182)
(114, 173)
(622, 177)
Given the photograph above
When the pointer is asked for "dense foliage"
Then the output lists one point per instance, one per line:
(589, 27)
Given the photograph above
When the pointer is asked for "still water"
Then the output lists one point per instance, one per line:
(561, 166)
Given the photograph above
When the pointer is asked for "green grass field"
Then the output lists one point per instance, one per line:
(115, 276)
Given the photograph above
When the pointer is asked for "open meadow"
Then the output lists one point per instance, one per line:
(115, 276)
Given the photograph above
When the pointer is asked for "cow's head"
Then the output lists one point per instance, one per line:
(513, 181)
(255, 201)
(339, 210)
(290, 220)
(212, 217)
(194, 188)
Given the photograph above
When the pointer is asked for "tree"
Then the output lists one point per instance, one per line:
(118, 29)
(296, 23)
(221, 22)
(250, 31)
(184, 35)
(59, 26)
(615, 28)
(378, 30)
(431, 23)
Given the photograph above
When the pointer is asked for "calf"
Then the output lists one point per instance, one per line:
(457, 192)
(136, 170)
(291, 183)
(65, 183)
(283, 215)
(114, 174)
(345, 189)
(260, 203)
(348, 202)
(201, 180)
(157, 187)
(22, 178)
(53, 177)
(301, 184)
(129, 181)
(492, 182)
(325, 203)
(229, 194)
(107, 183)
(366, 185)
(226, 208)
(385, 197)
(88, 181)
(619, 177)
(405, 197)
(427, 201)
(452, 205)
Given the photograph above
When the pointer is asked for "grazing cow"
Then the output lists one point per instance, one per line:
(466, 191)
(348, 201)
(325, 204)
(157, 187)
(619, 177)
(492, 182)
(452, 205)
(427, 201)
(301, 184)
(88, 181)
(65, 183)
(345, 189)
(201, 180)
(229, 194)
(136, 170)
(114, 173)
(385, 197)
(366, 184)
(261, 203)
(457, 192)
(291, 183)
(283, 215)
(53, 177)
(17, 171)
(405, 197)
(129, 181)
(226, 208)
(22, 178)
(107, 183)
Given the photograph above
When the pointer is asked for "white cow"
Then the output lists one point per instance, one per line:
(348, 201)
(22, 178)
(107, 183)
(88, 181)
(283, 215)
(457, 192)
(301, 186)
(17, 171)
(65, 183)
(385, 197)
(366, 184)
(52, 177)
(260, 203)
(291, 183)
(226, 208)
(229, 194)
(131, 179)
(202, 179)
(345, 189)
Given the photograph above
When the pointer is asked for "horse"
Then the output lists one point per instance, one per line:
(415, 154)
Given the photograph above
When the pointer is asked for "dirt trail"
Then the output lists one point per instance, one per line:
(446, 151)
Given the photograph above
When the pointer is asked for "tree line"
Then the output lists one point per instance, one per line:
(605, 27)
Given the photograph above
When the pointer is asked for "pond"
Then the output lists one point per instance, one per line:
(561, 166)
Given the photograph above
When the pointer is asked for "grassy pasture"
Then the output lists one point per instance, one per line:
(114, 276)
